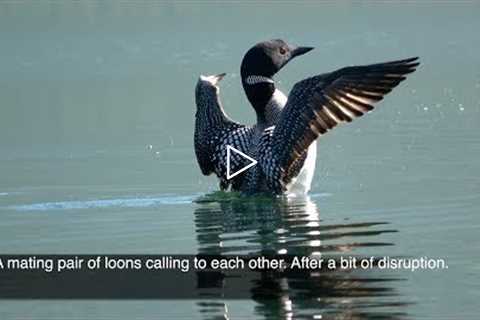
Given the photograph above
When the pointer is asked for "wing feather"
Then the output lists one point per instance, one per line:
(318, 104)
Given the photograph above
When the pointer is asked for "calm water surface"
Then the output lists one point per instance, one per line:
(96, 157)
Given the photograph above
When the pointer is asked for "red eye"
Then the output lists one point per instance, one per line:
(283, 51)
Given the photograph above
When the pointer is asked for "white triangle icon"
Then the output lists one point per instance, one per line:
(251, 164)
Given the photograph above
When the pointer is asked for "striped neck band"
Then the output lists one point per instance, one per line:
(258, 79)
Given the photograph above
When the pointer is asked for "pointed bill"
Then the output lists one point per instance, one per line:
(251, 164)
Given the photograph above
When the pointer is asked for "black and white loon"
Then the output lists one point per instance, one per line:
(283, 138)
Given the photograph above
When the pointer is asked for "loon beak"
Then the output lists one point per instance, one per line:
(298, 51)
(219, 77)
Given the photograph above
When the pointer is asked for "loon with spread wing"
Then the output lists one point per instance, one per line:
(283, 138)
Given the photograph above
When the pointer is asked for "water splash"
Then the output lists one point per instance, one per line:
(133, 202)
(107, 203)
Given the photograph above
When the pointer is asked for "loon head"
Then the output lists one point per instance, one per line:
(260, 64)
(208, 86)
(210, 81)
(268, 57)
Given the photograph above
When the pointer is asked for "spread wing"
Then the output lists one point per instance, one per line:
(318, 104)
(211, 151)
(211, 121)
(203, 151)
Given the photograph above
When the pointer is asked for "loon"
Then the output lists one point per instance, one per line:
(283, 139)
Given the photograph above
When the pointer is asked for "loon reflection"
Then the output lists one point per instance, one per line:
(227, 225)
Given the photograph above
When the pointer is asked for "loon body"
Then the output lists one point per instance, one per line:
(283, 138)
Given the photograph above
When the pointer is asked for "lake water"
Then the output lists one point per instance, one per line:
(96, 131)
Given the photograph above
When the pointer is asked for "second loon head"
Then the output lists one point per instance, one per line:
(266, 58)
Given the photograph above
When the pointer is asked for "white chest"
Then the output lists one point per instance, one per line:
(303, 182)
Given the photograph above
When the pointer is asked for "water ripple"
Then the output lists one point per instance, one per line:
(229, 225)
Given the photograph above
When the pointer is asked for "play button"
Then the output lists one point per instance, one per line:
(231, 149)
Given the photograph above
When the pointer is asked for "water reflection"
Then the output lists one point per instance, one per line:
(230, 226)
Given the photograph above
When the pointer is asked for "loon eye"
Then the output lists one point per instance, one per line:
(282, 51)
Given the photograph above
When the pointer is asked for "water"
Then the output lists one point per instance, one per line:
(96, 132)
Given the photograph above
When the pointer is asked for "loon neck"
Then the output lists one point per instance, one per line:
(260, 91)
(254, 79)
